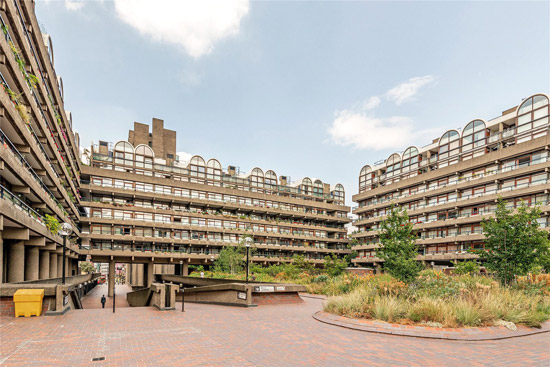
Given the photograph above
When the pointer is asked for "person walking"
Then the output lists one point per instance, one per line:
(103, 301)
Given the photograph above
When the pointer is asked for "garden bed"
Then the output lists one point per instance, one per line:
(442, 300)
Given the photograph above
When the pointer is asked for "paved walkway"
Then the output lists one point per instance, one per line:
(93, 299)
(209, 335)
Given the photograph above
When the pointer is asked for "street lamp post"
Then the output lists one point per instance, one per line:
(181, 267)
(65, 231)
(247, 242)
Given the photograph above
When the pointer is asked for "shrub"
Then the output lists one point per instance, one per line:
(466, 267)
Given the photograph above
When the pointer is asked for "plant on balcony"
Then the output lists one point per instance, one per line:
(22, 110)
(10, 93)
(52, 224)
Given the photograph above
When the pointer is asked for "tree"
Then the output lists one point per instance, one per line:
(399, 248)
(334, 266)
(514, 244)
(301, 263)
(87, 267)
(232, 258)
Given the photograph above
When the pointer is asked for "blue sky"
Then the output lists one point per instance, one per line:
(312, 89)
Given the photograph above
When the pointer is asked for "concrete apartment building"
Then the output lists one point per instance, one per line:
(449, 186)
(147, 208)
(39, 158)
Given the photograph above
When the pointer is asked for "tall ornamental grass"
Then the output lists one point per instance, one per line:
(452, 301)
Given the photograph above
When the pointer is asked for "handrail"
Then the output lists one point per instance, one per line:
(7, 194)
(5, 140)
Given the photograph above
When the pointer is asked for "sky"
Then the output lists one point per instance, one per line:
(316, 89)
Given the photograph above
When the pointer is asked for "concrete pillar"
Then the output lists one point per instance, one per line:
(185, 269)
(1, 259)
(44, 264)
(16, 262)
(149, 274)
(53, 265)
(140, 280)
(59, 265)
(111, 278)
(31, 263)
(378, 269)
(67, 269)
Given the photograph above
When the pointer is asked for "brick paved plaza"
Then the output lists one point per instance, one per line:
(278, 335)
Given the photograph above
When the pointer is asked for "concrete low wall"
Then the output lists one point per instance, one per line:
(277, 298)
(155, 296)
(234, 293)
(54, 293)
(138, 298)
(230, 294)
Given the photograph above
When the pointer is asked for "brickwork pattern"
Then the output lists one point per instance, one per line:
(7, 306)
(468, 334)
(210, 335)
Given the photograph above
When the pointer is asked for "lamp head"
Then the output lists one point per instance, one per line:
(248, 241)
(66, 229)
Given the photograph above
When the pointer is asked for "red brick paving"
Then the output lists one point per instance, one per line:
(93, 298)
(210, 335)
(468, 333)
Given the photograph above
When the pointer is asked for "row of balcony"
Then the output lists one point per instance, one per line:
(509, 133)
(453, 182)
(226, 181)
(221, 203)
(462, 198)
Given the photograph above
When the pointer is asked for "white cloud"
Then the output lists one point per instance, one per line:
(407, 90)
(194, 25)
(184, 156)
(74, 5)
(372, 103)
(357, 129)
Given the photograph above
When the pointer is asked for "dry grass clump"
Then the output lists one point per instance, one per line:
(451, 301)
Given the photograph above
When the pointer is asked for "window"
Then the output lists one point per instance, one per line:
(449, 145)
(473, 136)
(365, 178)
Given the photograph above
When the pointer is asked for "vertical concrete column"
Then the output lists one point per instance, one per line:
(1, 258)
(140, 280)
(149, 274)
(67, 269)
(44, 264)
(111, 278)
(378, 269)
(185, 269)
(129, 273)
(31, 263)
(59, 265)
(16, 262)
(53, 265)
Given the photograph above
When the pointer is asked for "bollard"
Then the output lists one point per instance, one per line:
(182, 300)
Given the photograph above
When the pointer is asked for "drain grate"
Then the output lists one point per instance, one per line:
(98, 359)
